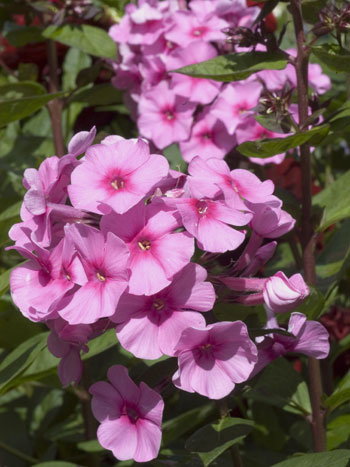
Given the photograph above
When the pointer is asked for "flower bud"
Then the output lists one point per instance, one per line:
(282, 294)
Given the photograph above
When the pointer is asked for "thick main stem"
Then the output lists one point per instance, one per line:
(55, 106)
(307, 231)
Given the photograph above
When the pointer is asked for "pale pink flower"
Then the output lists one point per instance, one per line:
(38, 285)
(214, 359)
(157, 253)
(198, 90)
(213, 176)
(282, 294)
(310, 338)
(164, 117)
(105, 263)
(130, 416)
(270, 220)
(188, 27)
(235, 104)
(116, 176)
(209, 139)
(150, 326)
(209, 220)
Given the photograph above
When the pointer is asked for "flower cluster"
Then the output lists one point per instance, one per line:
(109, 240)
(205, 117)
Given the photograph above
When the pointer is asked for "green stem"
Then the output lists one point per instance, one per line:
(19, 454)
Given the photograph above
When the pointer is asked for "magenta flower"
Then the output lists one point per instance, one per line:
(130, 416)
(211, 177)
(310, 338)
(282, 294)
(198, 90)
(38, 285)
(157, 253)
(209, 139)
(235, 102)
(209, 221)
(213, 359)
(116, 176)
(164, 117)
(151, 326)
(105, 263)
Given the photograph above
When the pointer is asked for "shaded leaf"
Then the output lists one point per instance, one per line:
(212, 440)
(235, 67)
(335, 57)
(74, 61)
(90, 39)
(338, 458)
(22, 35)
(271, 146)
(339, 397)
(335, 201)
(313, 305)
(173, 154)
(100, 94)
(311, 10)
(338, 431)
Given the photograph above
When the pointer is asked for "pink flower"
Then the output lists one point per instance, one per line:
(235, 102)
(188, 27)
(310, 338)
(157, 253)
(211, 177)
(209, 139)
(197, 90)
(105, 263)
(213, 359)
(282, 294)
(269, 220)
(251, 130)
(116, 176)
(66, 342)
(130, 416)
(151, 326)
(164, 117)
(209, 221)
(38, 285)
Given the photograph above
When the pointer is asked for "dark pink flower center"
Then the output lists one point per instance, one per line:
(158, 304)
(169, 114)
(206, 349)
(202, 206)
(144, 245)
(117, 183)
(199, 31)
(240, 108)
(131, 413)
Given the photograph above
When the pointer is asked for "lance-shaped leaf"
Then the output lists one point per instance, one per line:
(335, 201)
(271, 146)
(337, 458)
(235, 67)
(335, 57)
(212, 440)
(92, 40)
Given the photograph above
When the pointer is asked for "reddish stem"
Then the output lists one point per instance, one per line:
(307, 230)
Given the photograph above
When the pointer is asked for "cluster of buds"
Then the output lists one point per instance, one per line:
(332, 19)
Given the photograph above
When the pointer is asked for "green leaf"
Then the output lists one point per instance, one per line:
(313, 305)
(90, 446)
(335, 201)
(92, 40)
(335, 57)
(339, 397)
(338, 458)
(22, 89)
(22, 35)
(311, 10)
(212, 440)
(173, 154)
(5, 281)
(19, 359)
(338, 431)
(100, 94)
(271, 146)
(74, 61)
(175, 428)
(332, 262)
(235, 67)
(281, 386)
(17, 109)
